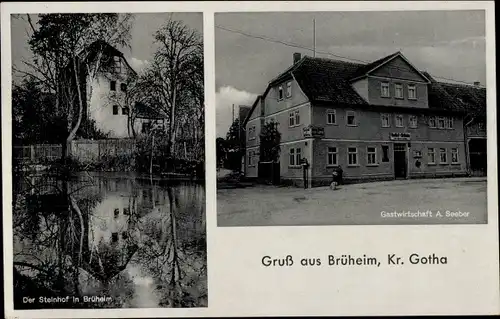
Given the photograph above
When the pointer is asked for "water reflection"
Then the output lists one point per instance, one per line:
(109, 241)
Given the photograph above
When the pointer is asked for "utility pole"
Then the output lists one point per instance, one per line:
(232, 118)
(314, 37)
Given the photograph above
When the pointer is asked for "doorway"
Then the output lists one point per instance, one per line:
(400, 161)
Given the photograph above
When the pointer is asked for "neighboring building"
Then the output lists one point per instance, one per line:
(382, 120)
(472, 100)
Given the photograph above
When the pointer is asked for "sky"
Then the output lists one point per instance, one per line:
(448, 44)
(142, 36)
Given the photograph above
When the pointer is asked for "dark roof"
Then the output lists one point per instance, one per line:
(244, 110)
(254, 105)
(457, 97)
(144, 111)
(102, 46)
(327, 80)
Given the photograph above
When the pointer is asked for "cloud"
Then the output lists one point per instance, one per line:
(224, 100)
(137, 64)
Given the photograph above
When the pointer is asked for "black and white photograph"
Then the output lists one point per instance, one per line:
(351, 118)
(108, 161)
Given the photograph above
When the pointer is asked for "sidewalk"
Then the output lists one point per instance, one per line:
(355, 204)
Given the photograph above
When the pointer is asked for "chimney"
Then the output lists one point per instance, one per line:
(477, 83)
(296, 57)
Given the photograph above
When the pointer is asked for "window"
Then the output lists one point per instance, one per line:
(126, 211)
(291, 157)
(251, 132)
(384, 89)
(123, 87)
(124, 235)
(449, 123)
(289, 89)
(146, 126)
(399, 120)
(298, 156)
(115, 109)
(351, 118)
(480, 126)
(431, 156)
(454, 155)
(385, 153)
(442, 156)
(331, 117)
(413, 121)
(280, 93)
(441, 122)
(399, 91)
(112, 85)
(332, 156)
(412, 92)
(385, 120)
(352, 153)
(432, 122)
(117, 64)
(371, 155)
(294, 156)
(116, 212)
(125, 110)
(114, 237)
(293, 118)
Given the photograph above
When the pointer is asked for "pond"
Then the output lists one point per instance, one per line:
(108, 241)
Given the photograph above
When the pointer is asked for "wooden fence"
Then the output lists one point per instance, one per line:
(91, 150)
(39, 153)
(82, 150)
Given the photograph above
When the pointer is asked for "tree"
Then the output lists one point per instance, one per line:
(220, 147)
(235, 145)
(174, 83)
(270, 139)
(68, 51)
(32, 119)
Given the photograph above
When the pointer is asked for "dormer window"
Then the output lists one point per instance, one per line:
(384, 89)
(441, 122)
(399, 91)
(413, 121)
(399, 120)
(432, 122)
(280, 93)
(412, 92)
(385, 120)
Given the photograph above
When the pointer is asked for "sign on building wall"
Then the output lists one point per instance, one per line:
(314, 131)
(399, 136)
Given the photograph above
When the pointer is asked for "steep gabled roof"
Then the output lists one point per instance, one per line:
(369, 68)
(254, 105)
(90, 52)
(366, 68)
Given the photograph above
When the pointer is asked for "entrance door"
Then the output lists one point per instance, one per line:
(400, 160)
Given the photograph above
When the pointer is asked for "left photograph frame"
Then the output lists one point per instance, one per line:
(108, 161)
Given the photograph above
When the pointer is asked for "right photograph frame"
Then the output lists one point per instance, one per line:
(351, 118)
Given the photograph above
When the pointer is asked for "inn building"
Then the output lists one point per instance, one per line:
(378, 121)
